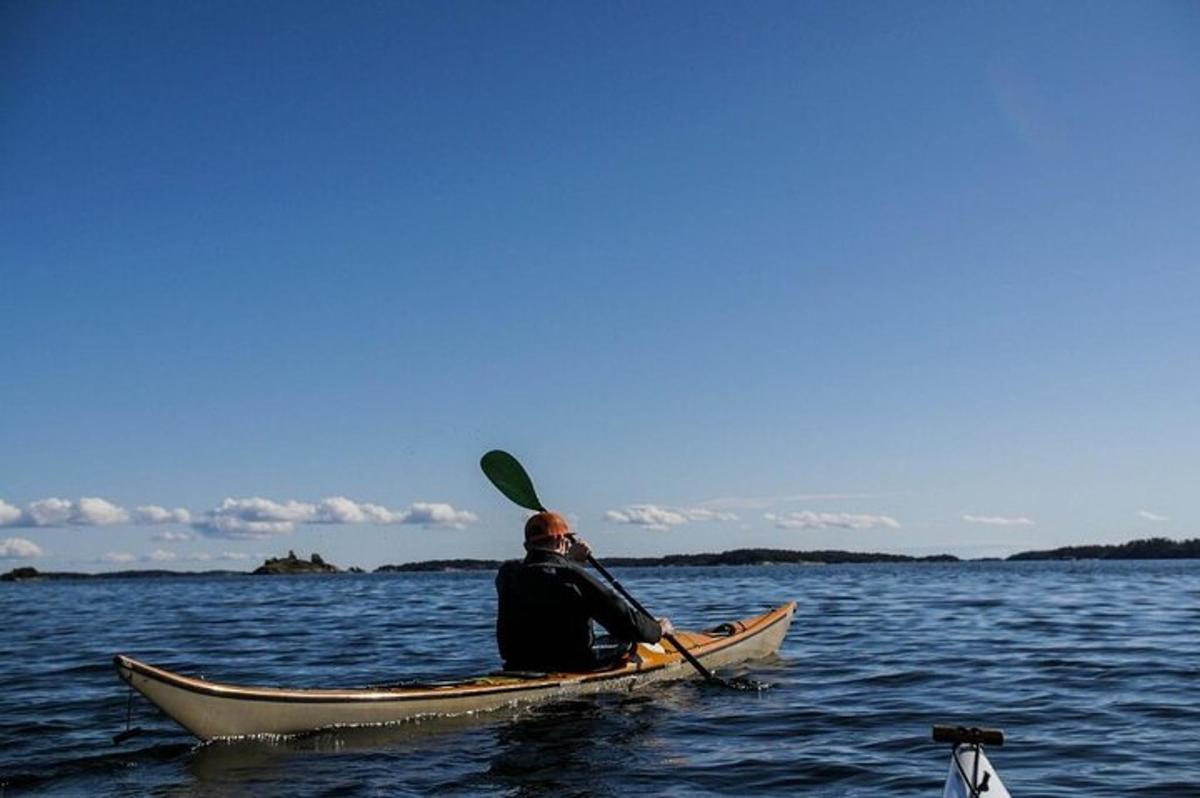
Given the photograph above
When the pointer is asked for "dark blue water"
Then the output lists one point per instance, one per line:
(1093, 669)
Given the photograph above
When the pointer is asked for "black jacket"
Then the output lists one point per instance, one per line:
(547, 604)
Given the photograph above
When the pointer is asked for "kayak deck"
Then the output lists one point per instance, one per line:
(212, 710)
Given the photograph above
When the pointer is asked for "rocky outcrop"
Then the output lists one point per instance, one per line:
(21, 574)
(291, 564)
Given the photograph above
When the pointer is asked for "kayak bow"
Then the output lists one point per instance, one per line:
(211, 710)
(971, 774)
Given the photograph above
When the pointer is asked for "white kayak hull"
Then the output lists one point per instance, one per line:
(212, 710)
(964, 761)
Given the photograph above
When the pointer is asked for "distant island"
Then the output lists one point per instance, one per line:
(291, 564)
(440, 565)
(30, 574)
(734, 557)
(1148, 549)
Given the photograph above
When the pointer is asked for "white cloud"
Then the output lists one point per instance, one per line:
(258, 518)
(9, 515)
(998, 520)
(233, 555)
(118, 557)
(219, 525)
(88, 511)
(807, 519)
(159, 555)
(705, 514)
(265, 510)
(653, 516)
(436, 514)
(98, 512)
(47, 512)
(1149, 516)
(172, 536)
(340, 510)
(153, 514)
(19, 549)
(253, 518)
(650, 516)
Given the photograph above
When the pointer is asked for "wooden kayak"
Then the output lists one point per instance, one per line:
(211, 710)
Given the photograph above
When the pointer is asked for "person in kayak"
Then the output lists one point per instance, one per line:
(547, 603)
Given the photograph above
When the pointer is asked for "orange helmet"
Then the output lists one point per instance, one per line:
(545, 527)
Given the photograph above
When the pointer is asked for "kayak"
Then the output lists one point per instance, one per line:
(965, 762)
(212, 710)
(971, 774)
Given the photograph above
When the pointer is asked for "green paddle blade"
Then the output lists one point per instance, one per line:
(507, 474)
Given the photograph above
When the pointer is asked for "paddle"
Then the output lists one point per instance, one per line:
(512, 480)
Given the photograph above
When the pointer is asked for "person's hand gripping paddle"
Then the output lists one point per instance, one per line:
(512, 480)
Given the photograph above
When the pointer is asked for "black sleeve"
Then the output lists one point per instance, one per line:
(614, 613)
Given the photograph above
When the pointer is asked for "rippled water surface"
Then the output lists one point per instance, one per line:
(1093, 670)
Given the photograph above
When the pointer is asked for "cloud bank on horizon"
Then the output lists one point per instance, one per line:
(235, 518)
(255, 517)
(88, 511)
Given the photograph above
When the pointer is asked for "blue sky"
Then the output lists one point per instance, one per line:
(862, 276)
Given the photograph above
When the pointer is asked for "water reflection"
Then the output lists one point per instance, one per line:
(565, 748)
(572, 747)
(266, 759)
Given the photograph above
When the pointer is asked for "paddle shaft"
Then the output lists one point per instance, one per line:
(637, 605)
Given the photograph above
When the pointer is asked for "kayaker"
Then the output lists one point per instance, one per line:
(548, 602)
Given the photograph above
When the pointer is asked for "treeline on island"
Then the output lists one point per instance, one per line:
(734, 557)
(29, 574)
(773, 557)
(1148, 549)
(440, 565)
(289, 565)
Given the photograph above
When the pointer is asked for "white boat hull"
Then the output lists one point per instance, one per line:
(211, 710)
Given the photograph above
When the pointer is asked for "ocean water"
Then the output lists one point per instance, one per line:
(1092, 669)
